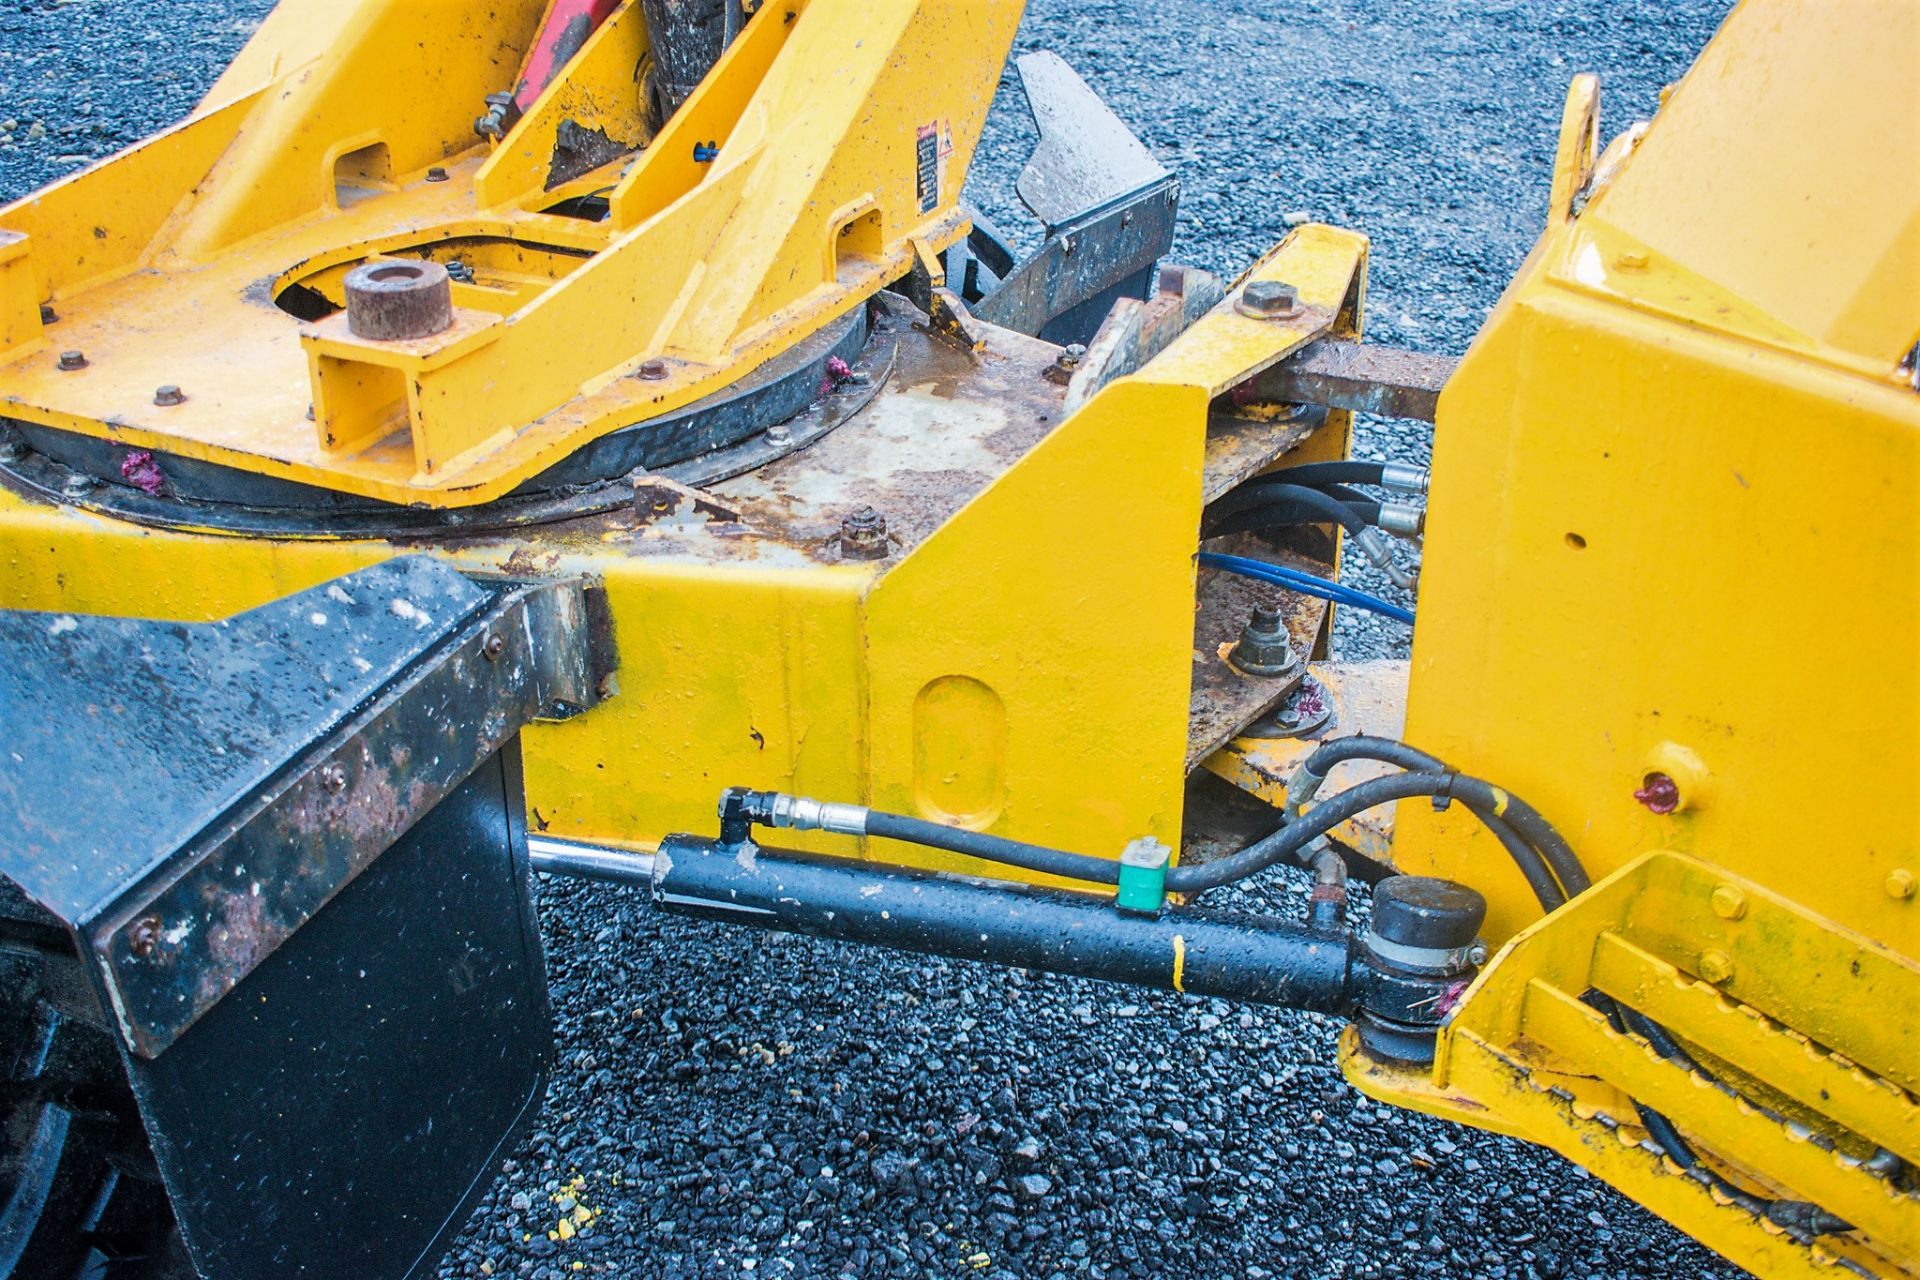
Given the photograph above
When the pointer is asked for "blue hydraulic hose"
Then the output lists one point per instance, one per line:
(1306, 584)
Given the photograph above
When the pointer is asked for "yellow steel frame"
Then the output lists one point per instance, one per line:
(1023, 668)
(1680, 452)
(1676, 485)
(314, 153)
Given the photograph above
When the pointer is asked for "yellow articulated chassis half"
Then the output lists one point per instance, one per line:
(959, 581)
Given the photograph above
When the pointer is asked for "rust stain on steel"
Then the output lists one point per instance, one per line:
(1225, 699)
(1244, 440)
(1384, 381)
(944, 425)
(949, 422)
(268, 868)
(1366, 697)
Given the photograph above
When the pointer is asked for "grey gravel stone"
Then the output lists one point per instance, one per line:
(1033, 1186)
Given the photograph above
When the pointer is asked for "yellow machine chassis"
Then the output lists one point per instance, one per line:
(1683, 449)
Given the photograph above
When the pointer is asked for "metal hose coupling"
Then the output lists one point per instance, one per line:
(803, 814)
(1374, 545)
(1403, 519)
(742, 809)
(1403, 477)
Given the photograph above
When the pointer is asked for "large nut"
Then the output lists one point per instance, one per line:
(392, 301)
(1264, 647)
(863, 536)
(1269, 300)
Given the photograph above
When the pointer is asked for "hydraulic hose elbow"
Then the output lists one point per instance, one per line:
(1374, 545)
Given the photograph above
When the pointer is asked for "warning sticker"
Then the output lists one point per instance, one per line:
(928, 164)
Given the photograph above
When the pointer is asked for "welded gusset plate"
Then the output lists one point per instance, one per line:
(1087, 156)
(1134, 331)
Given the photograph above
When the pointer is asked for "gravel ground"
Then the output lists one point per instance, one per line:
(729, 1104)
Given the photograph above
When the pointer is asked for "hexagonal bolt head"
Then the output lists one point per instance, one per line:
(72, 360)
(1269, 300)
(653, 370)
(389, 301)
(143, 936)
(1065, 365)
(436, 174)
(47, 314)
(1264, 647)
(168, 396)
(863, 536)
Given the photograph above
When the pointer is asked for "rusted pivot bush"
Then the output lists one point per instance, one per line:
(389, 301)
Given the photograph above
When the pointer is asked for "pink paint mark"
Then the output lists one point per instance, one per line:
(1659, 793)
(140, 470)
(838, 370)
(569, 23)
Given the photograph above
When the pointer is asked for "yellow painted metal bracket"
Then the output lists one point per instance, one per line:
(1808, 1028)
(1362, 697)
(169, 258)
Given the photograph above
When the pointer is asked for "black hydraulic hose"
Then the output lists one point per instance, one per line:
(1797, 1214)
(1284, 844)
(976, 844)
(1352, 497)
(1285, 513)
(1260, 493)
(1476, 793)
(1321, 474)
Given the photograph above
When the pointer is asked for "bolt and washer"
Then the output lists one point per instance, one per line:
(436, 174)
(500, 116)
(47, 314)
(653, 370)
(1264, 647)
(1269, 300)
(143, 935)
(863, 536)
(779, 434)
(78, 486)
(168, 396)
(1065, 365)
(333, 778)
(72, 360)
(493, 647)
(1716, 966)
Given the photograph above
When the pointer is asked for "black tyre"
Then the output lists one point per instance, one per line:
(80, 1198)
